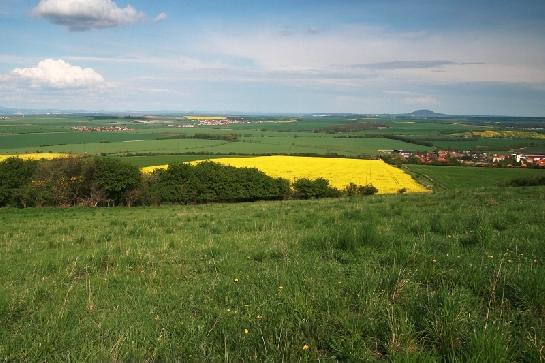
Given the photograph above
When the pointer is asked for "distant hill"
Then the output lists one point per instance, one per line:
(426, 113)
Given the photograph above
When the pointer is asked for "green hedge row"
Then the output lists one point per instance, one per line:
(101, 181)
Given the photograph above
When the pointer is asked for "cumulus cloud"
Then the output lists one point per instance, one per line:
(56, 73)
(83, 15)
(160, 17)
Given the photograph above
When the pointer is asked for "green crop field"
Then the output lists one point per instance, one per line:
(463, 177)
(348, 135)
(449, 276)
(493, 144)
(150, 160)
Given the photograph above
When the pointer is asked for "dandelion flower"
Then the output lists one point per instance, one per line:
(306, 347)
(236, 279)
(246, 331)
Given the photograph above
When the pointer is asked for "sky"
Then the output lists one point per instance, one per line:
(285, 56)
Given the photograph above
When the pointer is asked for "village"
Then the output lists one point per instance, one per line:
(101, 129)
(469, 158)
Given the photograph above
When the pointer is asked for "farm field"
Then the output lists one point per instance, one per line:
(34, 156)
(149, 160)
(462, 177)
(339, 172)
(320, 144)
(422, 277)
(346, 135)
(493, 144)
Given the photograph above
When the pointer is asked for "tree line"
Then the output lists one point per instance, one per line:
(103, 181)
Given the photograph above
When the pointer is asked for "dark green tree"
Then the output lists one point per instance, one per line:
(318, 188)
(115, 178)
(15, 174)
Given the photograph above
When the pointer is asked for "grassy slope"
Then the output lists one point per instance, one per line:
(442, 276)
(461, 177)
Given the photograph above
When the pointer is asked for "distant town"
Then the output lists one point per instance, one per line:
(469, 158)
(101, 129)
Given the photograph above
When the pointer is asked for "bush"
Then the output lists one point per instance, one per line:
(99, 181)
(309, 189)
(353, 189)
(15, 173)
(68, 182)
(116, 179)
(212, 182)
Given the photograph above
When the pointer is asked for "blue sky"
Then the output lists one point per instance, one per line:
(368, 56)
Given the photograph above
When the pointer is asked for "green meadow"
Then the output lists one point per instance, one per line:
(464, 177)
(450, 276)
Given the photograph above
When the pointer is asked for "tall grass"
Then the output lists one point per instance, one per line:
(449, 276)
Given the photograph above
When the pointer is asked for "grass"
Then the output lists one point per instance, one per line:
(462, 177)
(447, 276)
(320, 144)
(150, 160)
(503, 145)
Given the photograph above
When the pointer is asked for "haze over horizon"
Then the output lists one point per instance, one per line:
(347, 56)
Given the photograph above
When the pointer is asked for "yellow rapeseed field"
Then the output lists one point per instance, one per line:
(34, 156)
(506, 133)
(339, 171)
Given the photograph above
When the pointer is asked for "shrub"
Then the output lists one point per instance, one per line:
(116, 178)
(308, 189)
(15, 173)
(68, 182)
(212, 182)
(353, 189)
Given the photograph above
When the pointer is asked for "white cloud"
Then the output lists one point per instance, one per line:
(160, 17)
(82, 15)
(360, 53)
(57, 74)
